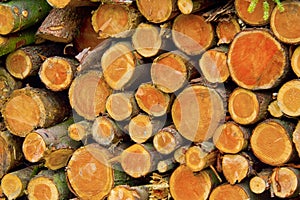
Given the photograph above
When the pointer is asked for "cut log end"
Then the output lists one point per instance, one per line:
(169, 72)
(59, 3)
(282, 22)
(288, 98)
(295, 61)
(296, 137)
(34, 147)
(267, 138)
(164, 142)
(7, 20)
(226, 30)
(230, 138)
(192, 34)
(185, 6)
(274, 109)
(227, 191)
(123, 192)
(80, 130)
(140, 128)
(18, 64)
(265, 64)
(12, 186)
(58, 159)
(258, 185)
(151, 100)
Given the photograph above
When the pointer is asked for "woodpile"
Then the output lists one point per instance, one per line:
(161, 99)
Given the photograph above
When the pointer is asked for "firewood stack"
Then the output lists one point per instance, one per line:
(161, 99)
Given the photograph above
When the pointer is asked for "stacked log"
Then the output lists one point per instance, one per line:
(173, 99)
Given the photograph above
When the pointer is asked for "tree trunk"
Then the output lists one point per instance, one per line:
(88, 93)
(48, 184)
(226, 30)
(80, 131)
(61, 25)
(126, 192)
(179, 154)
(197, 112)
(57, 73)
(264, 54)
(29, 108)
(115, 20)
(192, 6)
(192, 34)
(261, 182)
(18, 15)
(26, 61)
(274, 109)
(166, 165)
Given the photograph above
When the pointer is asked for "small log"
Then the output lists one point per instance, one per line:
(157, 11)
(57, 73)
(268, 137)
(179, 154)
(139, 160)
(29, 108)
(192, 34)
(226, 30)
(128, 193)
(106, 132)
(171, 71)
(115, 20)
(61, 25)
(14, 183)
(237, 167)
(69, 3)
(265, 64)
(197, 157)
(296, 137)
(295, 61)
(17, 15)
(288, 98)
(89, 166)
(167, 140)
(281, 19)
(261, 182)
(285, 182)
(11, 42)
(152, 100)
(11, 154)
(121, 106)
(274, 109)
(231, 137)
(80, 131)
(186, 185)
(256, 16)
(52, 144)
(192, 6)
(48, 184)
(26, 61)
(166, 165)
(142, 127)
(88, 93)
(197, 112)
(247, 107)
(7, 85)
(213, 66)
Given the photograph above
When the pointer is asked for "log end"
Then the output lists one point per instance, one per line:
(226, 30)
(123, 192)
(34, 147)
(42, 188)
(227, 191)
(195, 158)
(12, 186)
(164, 142)
(58, 158)
(119, 106)
(257, 185)
(104, 130)
(295, 61)
(185, 6)
(18, 64)
(6, 20)
(140, 128)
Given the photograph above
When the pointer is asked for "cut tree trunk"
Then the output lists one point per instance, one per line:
(179, 154)
(166, 165)
(16, 40)
(157, 11)
(26, 61)
(48, 184)
(29, 108)
(186, 185)
(88, 93)
(14, 183)
(7, 85)
(166, 140)
(261, 182)
(275, 110)
(192, 34)
(121, 106)
(288, 98)
(254, 16)
(115, 20)
(281, 22)
(138, 160)
(192, 6)
(247, 107)
(197, 112)
(295, 61)
(226, 30)
(213, 66)
(80, 131)
(57, 73)
(171, 71)
(296, 137)
(142, 127)
(84, 184)
(52, 144)
(128, 193)
(17, 15)
(61, 25)
(231, 137)
(152, 100)
(256, 59)
(70, 3)
(11, 154)
(270, 136)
